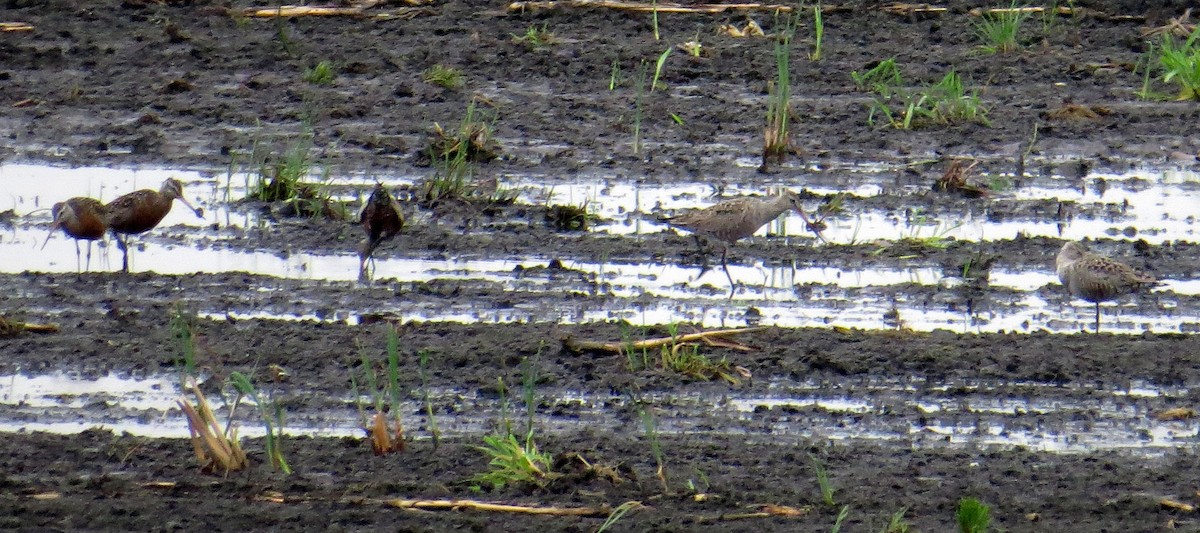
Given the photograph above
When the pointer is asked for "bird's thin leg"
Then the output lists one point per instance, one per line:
(1097, 317)
(88, 268)
(704, 266)
(124, 253)
(78, 258)
(366, 259)
(703, 250)
(366, 269)
(724, 265)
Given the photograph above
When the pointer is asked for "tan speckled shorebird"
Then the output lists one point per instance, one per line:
(733, 220)
(140, 211)
(81, 218)
(382, 220)
(1096, 278)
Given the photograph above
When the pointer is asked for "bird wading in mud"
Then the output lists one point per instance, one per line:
(1097, 278)
(381, 220)
(733, 220)
(141, 211)
(81, 218)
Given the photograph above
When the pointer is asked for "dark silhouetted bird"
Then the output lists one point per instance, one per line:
(381, 219)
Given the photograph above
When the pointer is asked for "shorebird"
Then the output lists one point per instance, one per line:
(1096, 278)
(733, 220)
(81, 218)
(381, 219)
(140, 211)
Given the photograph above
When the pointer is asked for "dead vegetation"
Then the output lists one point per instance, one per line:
(1177, 27)
(644, 7)
(216, 450)
(11, 327)
(957, 179)
(1071, 112)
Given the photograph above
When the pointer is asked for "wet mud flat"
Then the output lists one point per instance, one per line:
(194, 84)
(933, 408)
(901, 419)
(97, 480)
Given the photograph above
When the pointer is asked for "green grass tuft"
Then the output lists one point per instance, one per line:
(823, 483)
(280, 177)
(1181, 64)
(999, 29)
(443, 76)
(897, 523)
(973, 516)
(513, 462)
(321, 74)
(945, 103)
(270, 412)
(776, 136)
(881, 79)
(536, 38)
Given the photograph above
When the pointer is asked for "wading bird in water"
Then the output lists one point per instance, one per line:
(140, 211)
(1096, 278)
(381, 219)
(81, 218)
(733, 220)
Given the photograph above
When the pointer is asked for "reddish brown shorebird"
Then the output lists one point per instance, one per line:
(1096, 278)
(381, 219)
(140, 211)
(81, 218)
(733, 220)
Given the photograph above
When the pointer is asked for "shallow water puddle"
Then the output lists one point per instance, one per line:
(1153, 204)
(645, 293)
(63, 390)
(1066, 420)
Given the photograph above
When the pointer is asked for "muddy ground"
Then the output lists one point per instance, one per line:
(195, 84)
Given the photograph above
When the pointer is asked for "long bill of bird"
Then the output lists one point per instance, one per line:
(799, 207)
(59, 212)
(173, 189)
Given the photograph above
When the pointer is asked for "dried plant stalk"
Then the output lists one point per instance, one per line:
(646, 7)
(384, 441)
(576, 345)
(214, 448)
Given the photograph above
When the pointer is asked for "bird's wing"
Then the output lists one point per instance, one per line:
(1113, 272)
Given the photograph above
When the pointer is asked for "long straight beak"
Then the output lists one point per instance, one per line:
(198, 212)
(53, 228)
(808, 224)
(803, 215)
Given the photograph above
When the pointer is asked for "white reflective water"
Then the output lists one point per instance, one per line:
(1041, 417)
(1158, 204)
(1155, 204)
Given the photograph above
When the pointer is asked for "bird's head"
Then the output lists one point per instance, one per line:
(793, 199)
(61, 212)
(172, 189)
(1071, 251)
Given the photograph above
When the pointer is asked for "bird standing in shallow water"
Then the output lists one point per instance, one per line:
(140, 211)
(81, 218)
(381, 219)
(1096, 278)
(733, 220)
